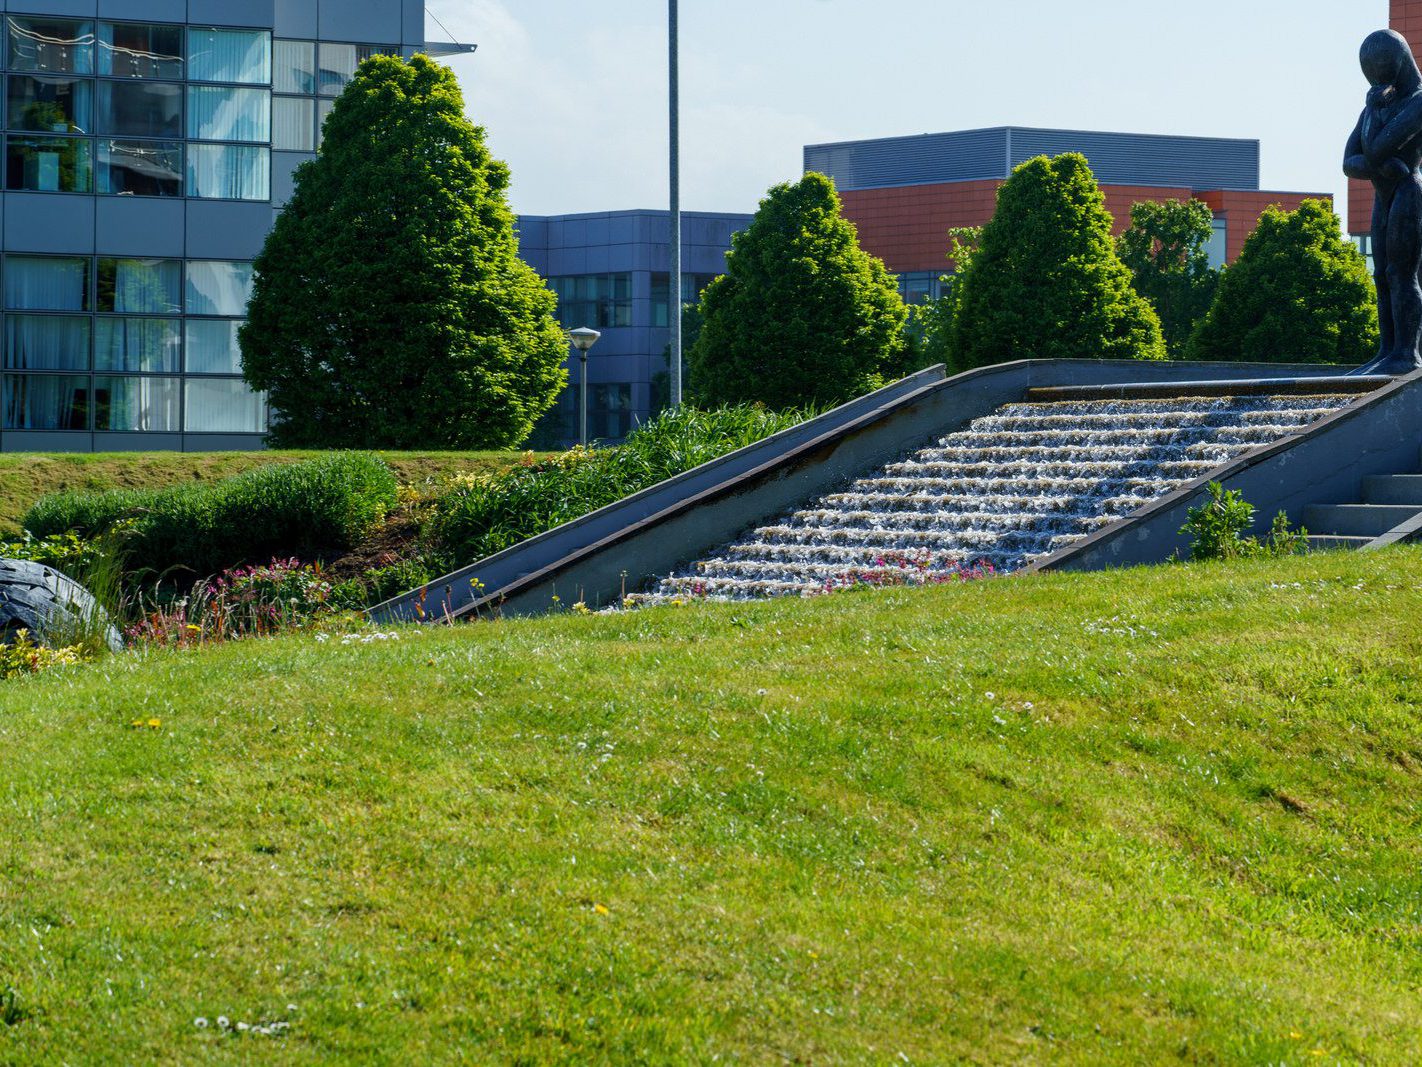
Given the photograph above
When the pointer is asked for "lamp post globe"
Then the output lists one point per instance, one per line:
(583, 338)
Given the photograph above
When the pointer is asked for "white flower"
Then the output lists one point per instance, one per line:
(222, 1022)
(200, 1023)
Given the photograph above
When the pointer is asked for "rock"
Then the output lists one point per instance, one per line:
(51, 606)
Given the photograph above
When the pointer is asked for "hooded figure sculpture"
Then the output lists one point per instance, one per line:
(1386, 149)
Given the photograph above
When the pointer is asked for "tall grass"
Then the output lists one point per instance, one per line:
(487, 515)
(302, 509)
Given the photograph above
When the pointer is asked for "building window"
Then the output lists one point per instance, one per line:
(53, 46)
(610, 411)
(46, 283)
(49, 164)
(140, 168)
(223, 405)
(241, 56)
(137, 405)
(1217, 251)
(219, 113)
(692, 286)
(46, 402)
(294, 67)
(138, 50)
(47, 342)
(294, 124)
(323, 110)
(142, 109)
(141, 286)
(597, 300)
(50, 105)
(146, 346)
(229, 172)
(218, 287)
(212, 346)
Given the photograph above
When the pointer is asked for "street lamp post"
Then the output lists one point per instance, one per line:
(583, 339)
(674, 94)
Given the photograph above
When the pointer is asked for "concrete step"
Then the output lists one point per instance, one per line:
(1393, 489)
(1327, 542)
(1357, 520)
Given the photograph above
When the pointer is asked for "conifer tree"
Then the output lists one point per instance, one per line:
(802, 315)
(390, 308)
(1299, 293)
(1045, 281)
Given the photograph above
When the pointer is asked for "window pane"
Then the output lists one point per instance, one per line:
(212, 346)
(50, 164)
(229, 172)
(139, 50)
(147, 345)
(136, 404)
(141, 168)
(230, 56)
(46, 402)
(224, 405)
(323, 109)
(294, 66)
(58, 46)
(47, 342)
(51, 105)
(597, 300)
(218, 288)
(294, 124)
(46, 283)
(141, 285)
(141, 109)
(220, 114)
(338, 64)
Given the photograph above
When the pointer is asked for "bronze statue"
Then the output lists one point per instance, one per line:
(1386, 149)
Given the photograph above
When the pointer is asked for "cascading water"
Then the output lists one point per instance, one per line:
(1014, 486)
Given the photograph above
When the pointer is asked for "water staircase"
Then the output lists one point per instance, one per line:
(1010, 489)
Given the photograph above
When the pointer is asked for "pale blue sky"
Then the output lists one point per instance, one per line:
(573, 92)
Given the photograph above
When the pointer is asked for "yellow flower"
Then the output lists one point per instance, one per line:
(601, 909)
(155, 723)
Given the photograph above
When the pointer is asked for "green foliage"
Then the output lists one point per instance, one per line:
(1165, 251)
(802, 314)
(1218, 529)
(931, 323)
(1299, 293)
(1045, 281)
(21, 656)
(486, 515)
(66, 552)
(390, 306)
(303, 509)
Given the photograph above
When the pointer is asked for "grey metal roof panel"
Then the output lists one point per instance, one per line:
(967, 155)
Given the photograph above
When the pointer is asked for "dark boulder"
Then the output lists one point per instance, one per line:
(53, 607)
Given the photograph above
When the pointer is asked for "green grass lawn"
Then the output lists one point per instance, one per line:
(1163, 814)
(27, 476)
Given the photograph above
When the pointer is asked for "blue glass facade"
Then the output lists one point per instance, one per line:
(148, 146)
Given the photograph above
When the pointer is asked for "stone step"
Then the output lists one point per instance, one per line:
(1393, 489)
(1356, 520)
(1331, 542)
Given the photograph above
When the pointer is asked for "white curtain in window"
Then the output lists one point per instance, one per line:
(293, 124)
(212, 346)
(218, 287)
(218, 113)
(224, 405)
(229, 172)
(147, 345)
(243, 56)
(145, 285)
(46, 342)
(46, 283)
(46, 402)
(137, 404)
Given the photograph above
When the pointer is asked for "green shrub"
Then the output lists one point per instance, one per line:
(1217, 529)
(486, 515)
(300, 509)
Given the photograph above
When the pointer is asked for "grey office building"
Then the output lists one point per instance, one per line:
(148, 146)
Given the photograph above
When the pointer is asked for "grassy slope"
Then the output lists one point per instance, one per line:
(1171, 812)
(27, 476)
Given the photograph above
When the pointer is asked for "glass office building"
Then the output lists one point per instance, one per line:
(148, 146)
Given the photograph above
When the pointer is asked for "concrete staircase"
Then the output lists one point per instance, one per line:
(1390, 511)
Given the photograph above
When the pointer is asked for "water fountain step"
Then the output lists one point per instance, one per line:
(1393, 489)
(1249, 387)
(1357, 520)
(1009, 489)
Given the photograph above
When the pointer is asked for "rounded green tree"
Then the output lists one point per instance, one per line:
(1166, 252)
(802, 315)
(1045, 281)
(390, 308)
(1299, 293)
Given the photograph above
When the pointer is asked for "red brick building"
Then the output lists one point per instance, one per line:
(905, 193)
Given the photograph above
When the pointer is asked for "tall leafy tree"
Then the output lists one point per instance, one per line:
(1165, 250)
(1299, 293)
(390, 307)
(1045, 281)
(931, 323)
(802, 315)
